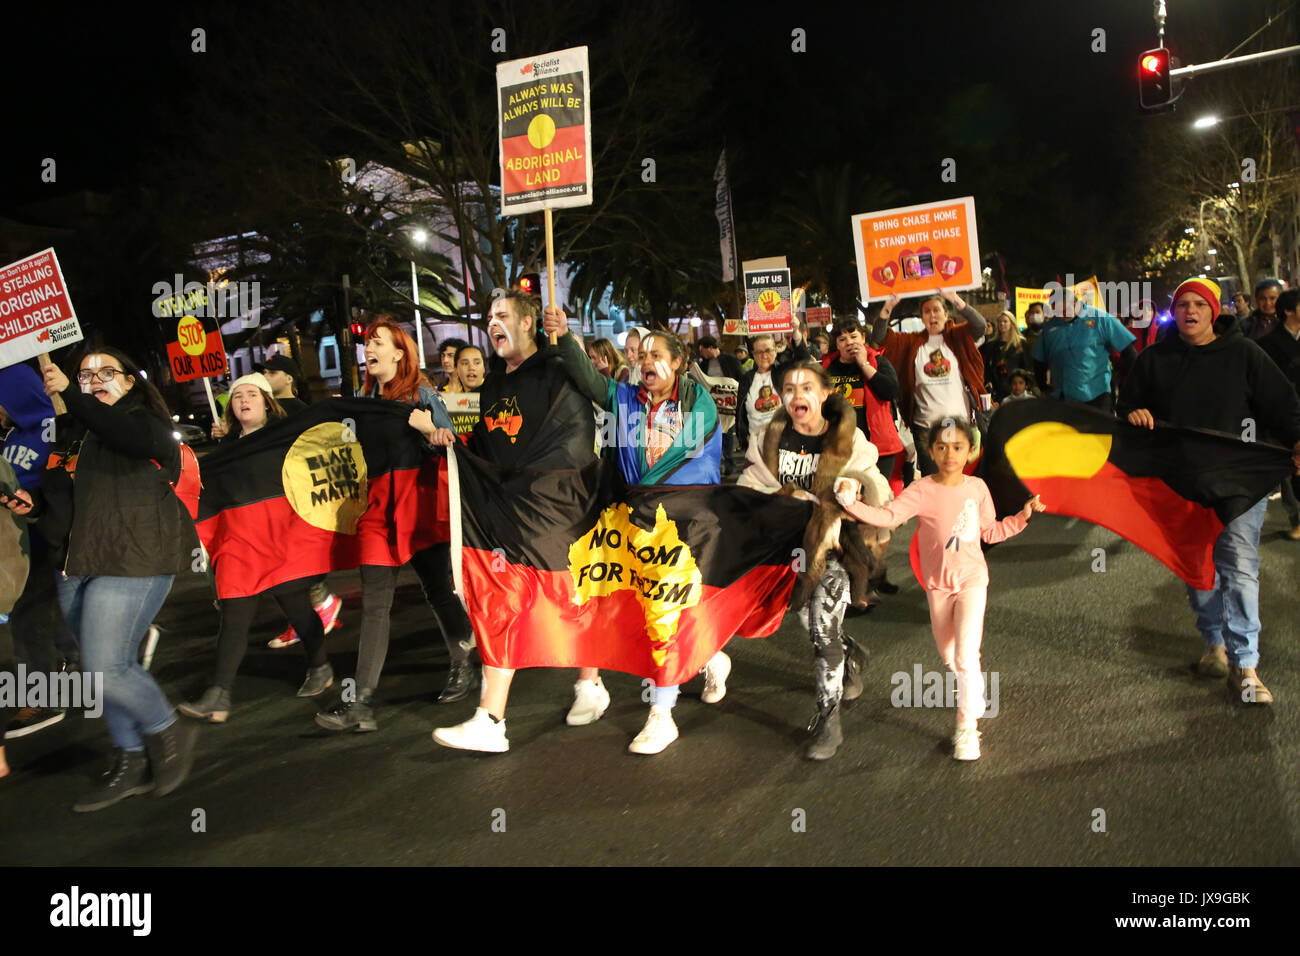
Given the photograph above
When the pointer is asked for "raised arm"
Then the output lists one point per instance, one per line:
(589, 382)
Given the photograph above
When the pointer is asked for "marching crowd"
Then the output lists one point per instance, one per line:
(874, 423)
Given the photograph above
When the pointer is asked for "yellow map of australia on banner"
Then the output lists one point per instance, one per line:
(657, 565)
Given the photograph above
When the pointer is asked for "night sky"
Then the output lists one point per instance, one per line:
(101, 91)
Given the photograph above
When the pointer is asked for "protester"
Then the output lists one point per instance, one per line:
(1282, 345)
(1076, 349)
(813, 444)
(758, 393)
(1203, 380)
(742, 356)
(1264, 318)
(1035, 318)
(956, 514)
(283, 375)
(868, 380)
(607, 360)
(1003, 355)
(1241, 305)
(667, 434)
(820, 344)
(251, 408)
(393, 373)
(447, 351)
(632, 352)
(470, 367)
(1022, 387)
(13, 578)
(127, 538)
(716, 364)
(39, 634)
(533, 389)
(940, 370)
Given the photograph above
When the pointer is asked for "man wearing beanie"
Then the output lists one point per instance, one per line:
(1200, 379)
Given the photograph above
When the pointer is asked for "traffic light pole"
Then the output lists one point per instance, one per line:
(1235, 61)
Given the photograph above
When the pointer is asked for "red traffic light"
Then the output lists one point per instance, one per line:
(1152, 62)
(526, 284)
(1155, 89)
(358, 329)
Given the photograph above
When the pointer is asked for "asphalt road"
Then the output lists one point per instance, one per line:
(1101, 722)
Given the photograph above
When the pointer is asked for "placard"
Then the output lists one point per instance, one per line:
(916, 249)
(768, 301)
(36, 313)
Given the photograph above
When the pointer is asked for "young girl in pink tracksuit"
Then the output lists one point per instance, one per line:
(956, 511)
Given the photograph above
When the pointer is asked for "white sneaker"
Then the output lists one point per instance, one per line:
(659, 731)
(480, 732)
(590, 700)
(715, 678)
(966, 744)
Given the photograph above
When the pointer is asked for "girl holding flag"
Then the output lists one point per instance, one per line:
(393, 373)
(252, 406)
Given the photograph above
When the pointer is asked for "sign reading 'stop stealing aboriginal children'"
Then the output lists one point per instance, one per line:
(35, 312)
(544, 119)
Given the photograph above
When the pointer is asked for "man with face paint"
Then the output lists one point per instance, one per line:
(513, 406)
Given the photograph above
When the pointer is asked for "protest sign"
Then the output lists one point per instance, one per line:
(734, 327)
(463, 407)
(1089, 290)
(544, 120)
(35, 310)
(198, 351)
(818, 318)
(1027, 297)
(915, 249)
(768, 301)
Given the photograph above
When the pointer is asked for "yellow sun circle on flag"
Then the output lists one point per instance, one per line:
(190, 333)
(324, 477)
(769, 299)
(541, 131)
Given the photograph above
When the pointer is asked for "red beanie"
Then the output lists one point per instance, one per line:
(1207, 289)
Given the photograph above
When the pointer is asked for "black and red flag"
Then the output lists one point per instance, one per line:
(564, 569)
(1170, 490)
(344, 483)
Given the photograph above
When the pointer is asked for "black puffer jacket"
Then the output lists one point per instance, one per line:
(125, 519)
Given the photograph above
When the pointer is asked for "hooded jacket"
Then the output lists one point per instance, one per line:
(126, 520)
(1217, 386)
(26, 446)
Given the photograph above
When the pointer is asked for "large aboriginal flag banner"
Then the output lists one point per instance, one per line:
(1170, 490)
(544, 120)
(342, 484)
(563, 569)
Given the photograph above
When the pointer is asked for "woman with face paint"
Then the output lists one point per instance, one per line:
(666, 431)
(811, 443)
(251, 408)
(956, 514)
(393, 373)
(124, 536)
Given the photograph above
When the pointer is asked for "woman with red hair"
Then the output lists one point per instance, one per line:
(393, 373)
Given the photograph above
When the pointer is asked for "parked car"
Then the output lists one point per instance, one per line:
(190, 434)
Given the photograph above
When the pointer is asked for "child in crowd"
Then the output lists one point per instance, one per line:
(956, 511)
(1021, 387)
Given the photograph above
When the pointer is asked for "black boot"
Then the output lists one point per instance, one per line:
(129, 776)
(319, 679)
(461, 679)
(826, 734)
(855, 662)
(171, 754)
(885, 587)
(214, 706)
(357, 715)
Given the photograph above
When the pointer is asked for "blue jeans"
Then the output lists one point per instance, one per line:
(109, 616)
(1228, 615)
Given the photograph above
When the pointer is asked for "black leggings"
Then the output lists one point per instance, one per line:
(294, 598)
(9, 671)
(433, 567)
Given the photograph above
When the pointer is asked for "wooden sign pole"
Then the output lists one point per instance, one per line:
(550, 262)
(56, 400)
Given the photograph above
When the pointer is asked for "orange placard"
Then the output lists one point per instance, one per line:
(914, 249)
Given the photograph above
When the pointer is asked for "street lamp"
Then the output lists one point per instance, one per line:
(1205, 122)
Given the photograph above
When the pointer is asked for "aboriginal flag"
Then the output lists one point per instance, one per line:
(1169, 490)
(342, 484)
(565, 569)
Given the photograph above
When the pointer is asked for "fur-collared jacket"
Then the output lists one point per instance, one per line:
(846, 453)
